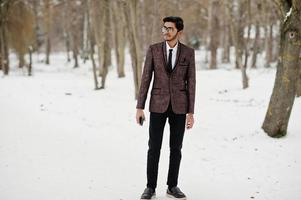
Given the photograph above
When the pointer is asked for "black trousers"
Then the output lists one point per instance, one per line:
(156, 129)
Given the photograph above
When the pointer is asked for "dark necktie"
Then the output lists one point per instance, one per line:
(169, 63)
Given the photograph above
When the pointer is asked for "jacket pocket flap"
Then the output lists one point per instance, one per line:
(185, 64)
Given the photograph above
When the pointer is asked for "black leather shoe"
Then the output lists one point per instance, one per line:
(176, 193)
(148, 193)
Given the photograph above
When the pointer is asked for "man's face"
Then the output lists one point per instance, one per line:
(170, 31)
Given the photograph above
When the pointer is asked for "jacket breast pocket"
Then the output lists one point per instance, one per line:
(184, 64)
(183, 69)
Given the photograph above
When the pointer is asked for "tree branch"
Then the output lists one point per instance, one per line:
(297, 5)
(284, 6)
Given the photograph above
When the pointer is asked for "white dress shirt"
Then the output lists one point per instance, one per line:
(174, 54)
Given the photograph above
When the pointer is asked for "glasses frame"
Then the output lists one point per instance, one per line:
(166, 29)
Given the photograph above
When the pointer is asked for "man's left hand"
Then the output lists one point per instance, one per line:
(189, 121)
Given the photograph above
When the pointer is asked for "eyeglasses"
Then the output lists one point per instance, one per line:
(166, 29)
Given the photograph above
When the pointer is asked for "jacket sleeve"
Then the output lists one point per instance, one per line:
(146, 79)
(191, 82)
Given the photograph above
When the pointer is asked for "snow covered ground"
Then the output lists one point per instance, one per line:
(61, 140)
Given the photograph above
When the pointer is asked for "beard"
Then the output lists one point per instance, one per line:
(173, 38)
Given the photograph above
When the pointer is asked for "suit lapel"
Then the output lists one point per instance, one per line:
(164, 55)
(178, 55)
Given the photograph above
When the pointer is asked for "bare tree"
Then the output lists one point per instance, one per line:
(20, 28)
(256, 44)
(92, 44)
(76, 15)
(226, 36)
(119, 36)
(150, 19)
(4, 55)
(131, 13)
(85, 40)
(214, 30)
(299, 83)
(66, 22)
(16, 31)
(36, 6)
(47, 22)
(96, 16)
(288, 70)
(106, 45)
(247, 41)
(237, 15)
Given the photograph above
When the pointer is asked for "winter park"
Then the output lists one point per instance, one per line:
(77, 76)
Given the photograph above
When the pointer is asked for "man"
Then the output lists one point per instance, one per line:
(172, 97)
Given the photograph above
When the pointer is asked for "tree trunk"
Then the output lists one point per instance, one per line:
(47, 19)
(119, 37)
(93, 63)
(135, 51)
(4, 50)
(30, 61)
(226, 38)
(4, 53)
(288, 70)
(100, 10)
(276, 47)
(75, 56)
(244, 68)
(94, 69)
(236, 17)
(240, 37)
(214, 32)
(91, 15)
(206, 45)
(269, 46)
(106, 45)
(97, 17)
(75, 31)
(86, 28)
(0, 52)
(156, 25)
(36, 26)
(237, 37)
(299, 83)
(256, 46)
(21, 60)
(66, 27)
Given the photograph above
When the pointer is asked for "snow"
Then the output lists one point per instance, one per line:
(60, 139)
(288, 14)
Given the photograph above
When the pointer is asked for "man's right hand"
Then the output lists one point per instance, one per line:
(139, 114)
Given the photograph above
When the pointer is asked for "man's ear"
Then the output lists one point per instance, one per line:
(180, 33)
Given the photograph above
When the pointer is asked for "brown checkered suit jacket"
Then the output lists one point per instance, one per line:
(177, 86)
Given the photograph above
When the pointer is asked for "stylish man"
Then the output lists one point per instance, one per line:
(172, 97)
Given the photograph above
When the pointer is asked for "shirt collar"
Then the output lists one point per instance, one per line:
(174, 48)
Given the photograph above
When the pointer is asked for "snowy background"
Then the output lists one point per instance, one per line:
(62, 140)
